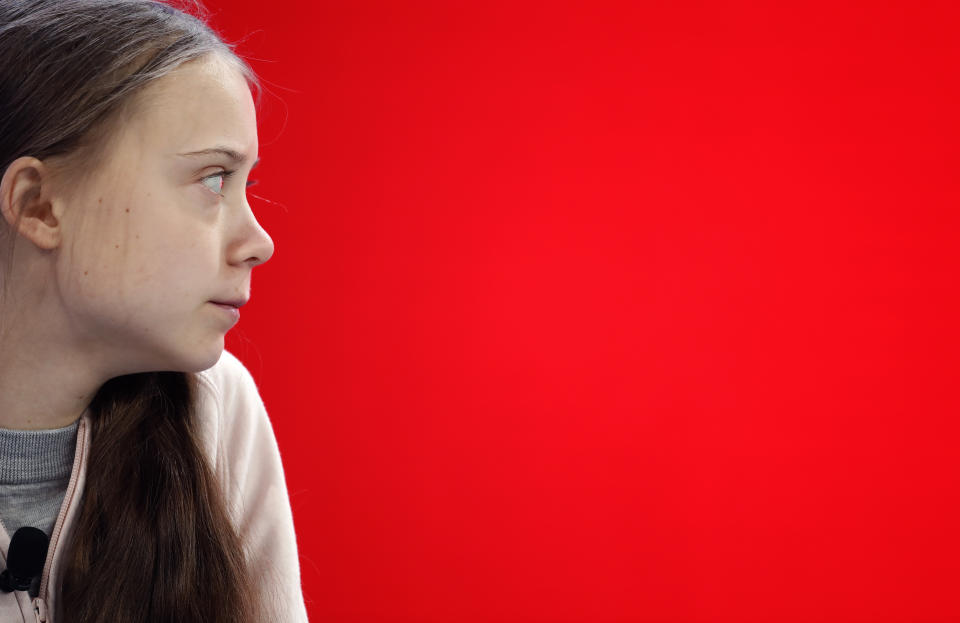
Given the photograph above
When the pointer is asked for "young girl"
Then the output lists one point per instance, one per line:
(128, 437)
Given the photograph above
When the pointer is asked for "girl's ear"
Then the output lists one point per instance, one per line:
(26, 203)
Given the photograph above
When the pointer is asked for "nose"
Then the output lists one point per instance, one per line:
(253, 245)
(262, 250)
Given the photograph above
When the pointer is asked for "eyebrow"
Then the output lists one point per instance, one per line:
(232, 154)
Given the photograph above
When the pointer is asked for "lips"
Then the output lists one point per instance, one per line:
(234, 303)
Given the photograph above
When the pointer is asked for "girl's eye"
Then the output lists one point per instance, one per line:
(214, 182)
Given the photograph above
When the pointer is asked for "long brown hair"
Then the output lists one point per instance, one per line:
(153, 539)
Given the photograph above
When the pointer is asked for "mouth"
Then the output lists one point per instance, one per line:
(236, 303)
(232, 310)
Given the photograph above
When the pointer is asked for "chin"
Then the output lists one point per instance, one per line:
(202, 359)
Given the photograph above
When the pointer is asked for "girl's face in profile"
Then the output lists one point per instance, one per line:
(162, 226)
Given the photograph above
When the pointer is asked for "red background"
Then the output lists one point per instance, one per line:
(597, 311)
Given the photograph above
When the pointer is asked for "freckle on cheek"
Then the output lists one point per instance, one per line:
(118, 246)
(128, 209)
(84, 272)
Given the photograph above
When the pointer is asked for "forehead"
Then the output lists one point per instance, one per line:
(200, 104)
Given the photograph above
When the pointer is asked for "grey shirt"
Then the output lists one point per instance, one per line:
(35, 468)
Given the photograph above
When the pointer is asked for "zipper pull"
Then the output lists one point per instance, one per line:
(40, 610)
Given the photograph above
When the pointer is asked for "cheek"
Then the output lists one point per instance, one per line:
(130, 261)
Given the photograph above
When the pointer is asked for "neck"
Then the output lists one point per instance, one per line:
(44, 384)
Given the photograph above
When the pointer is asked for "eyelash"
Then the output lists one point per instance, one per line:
(226, 174)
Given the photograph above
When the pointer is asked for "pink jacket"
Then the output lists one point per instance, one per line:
(239, 440)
